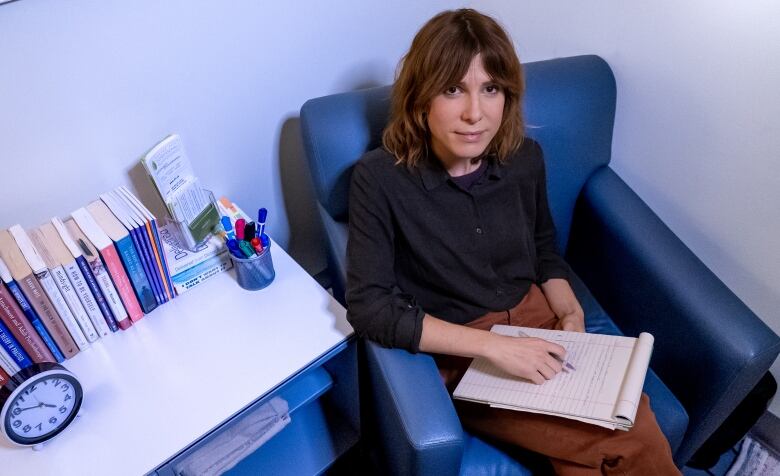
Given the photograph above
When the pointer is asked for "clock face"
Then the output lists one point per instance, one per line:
(42, 407)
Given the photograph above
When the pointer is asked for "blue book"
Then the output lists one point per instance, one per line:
(34, 319)
(9, 343)
(129, 218)
(155, 244)
(29, 311)
(94, 287)
(131, 262)
(146, 258)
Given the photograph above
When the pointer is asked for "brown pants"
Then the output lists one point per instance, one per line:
(573, 447)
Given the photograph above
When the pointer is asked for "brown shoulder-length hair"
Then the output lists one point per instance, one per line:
(439, 57)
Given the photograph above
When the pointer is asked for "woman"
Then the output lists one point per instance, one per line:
(450, 233)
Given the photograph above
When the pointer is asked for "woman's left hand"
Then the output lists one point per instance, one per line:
(564, 304)
(574, 322)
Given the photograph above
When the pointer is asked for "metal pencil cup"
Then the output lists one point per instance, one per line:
(256, 272)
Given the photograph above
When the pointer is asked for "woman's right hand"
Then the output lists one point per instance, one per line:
(525, 357)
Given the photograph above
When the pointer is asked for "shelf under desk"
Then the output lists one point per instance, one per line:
(191, 365)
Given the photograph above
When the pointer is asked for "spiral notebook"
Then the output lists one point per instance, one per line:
(604, 389)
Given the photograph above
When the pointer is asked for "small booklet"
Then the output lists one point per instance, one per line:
(604, 389)
(188, 203)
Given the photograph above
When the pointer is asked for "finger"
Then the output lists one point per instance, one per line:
(555, 364)
(546, 371)
(538, 378)
(556, 349)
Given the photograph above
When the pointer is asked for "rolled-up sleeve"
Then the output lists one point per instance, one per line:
(549, 263)
(376, 307)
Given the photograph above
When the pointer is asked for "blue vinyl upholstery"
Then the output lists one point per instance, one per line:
(710, 348)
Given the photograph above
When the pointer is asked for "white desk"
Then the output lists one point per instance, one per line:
(184, 369)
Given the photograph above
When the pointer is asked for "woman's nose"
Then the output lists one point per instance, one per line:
(472, 109)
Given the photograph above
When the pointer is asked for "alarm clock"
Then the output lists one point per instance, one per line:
(38, 403)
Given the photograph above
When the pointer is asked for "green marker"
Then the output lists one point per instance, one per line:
(246, 248)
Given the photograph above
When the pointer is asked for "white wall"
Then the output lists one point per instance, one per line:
(697, 131)
(87, 86)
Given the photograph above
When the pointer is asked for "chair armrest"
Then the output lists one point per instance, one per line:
(710, 348)
(416, 422)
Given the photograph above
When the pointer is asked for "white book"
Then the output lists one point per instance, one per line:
(61, 255)
(49, 285)
(87, 299)
(62, 281)
(603, 389)
(88, 251)
(7, 363)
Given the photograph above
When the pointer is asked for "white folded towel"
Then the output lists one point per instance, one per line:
(237, 442)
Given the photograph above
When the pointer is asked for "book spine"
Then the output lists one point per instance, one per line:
(40, 302)
(61, 306)
(102, 302)
(122, 282)
(136, 235)
(134, 271)
(197, 274)
(74, 303)
(13, 347)
(8, 364)
(158, 278)
(4, 377)
(162, 261)
(22, 330)
(86, 298)
(110, 292)
(35, 320)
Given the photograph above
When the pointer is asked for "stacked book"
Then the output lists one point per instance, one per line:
(67, 283)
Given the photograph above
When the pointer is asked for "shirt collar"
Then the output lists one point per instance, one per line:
(433, 173)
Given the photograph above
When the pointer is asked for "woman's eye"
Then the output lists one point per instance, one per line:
(451, 90)
(491, 89)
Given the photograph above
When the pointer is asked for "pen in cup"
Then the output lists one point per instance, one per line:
(567, 366)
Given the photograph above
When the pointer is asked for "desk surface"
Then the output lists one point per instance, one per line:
(184, 369)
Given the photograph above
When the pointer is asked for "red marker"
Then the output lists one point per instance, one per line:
(240, 223)
(257, 245)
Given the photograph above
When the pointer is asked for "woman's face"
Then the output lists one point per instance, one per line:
(465, 117)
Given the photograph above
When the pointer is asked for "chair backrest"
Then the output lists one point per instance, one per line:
(569, 108)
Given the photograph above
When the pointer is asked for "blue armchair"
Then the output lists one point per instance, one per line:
(710, 348)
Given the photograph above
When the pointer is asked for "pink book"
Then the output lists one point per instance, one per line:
(108, 252)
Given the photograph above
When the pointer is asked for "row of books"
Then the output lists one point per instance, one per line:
(69, 282)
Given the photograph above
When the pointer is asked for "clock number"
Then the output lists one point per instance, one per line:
(16, 411)
(53, 420)
(26, 428)
(63, 409)
(17, 423)
(57, 382)
(65, 387)
(32, 389)
(67, 397)
(39, 426)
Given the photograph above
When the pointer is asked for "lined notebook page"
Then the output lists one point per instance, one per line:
(590, 392)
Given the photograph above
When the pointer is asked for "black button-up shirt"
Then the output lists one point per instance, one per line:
(420, 243)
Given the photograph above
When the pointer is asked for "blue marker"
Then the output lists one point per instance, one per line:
(262, 214)
(265, 240)
(232, 245)
(228, 226)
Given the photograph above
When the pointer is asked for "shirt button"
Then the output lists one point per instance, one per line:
(478, 230)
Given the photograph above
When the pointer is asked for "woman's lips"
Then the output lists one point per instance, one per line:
(470, 136)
